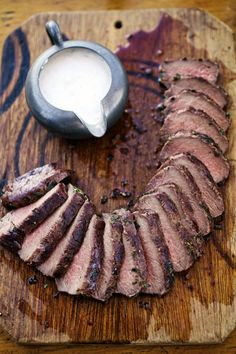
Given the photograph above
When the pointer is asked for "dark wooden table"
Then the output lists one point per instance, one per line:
(12, 14)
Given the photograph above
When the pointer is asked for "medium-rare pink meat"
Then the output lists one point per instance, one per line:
(201, 147)
(39, 244)
(180, 253)
(216, 93)
(160, 274)
(83, 273)
(191, 120)
(15, 224)
(32, 185)
(133, 272)
(61, 258)
(180, 177)
(183, 206)
(187, 99)
(185, 68)
(113, 257)
(210, 192)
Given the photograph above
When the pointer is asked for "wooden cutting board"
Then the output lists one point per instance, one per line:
(201, 308)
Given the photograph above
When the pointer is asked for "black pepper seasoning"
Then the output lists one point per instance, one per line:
(32, 280)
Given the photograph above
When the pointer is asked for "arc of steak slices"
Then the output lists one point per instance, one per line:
(39, 244)
(83, 273)
(63, 255)
(200, 146)
(216, 93)
(180, 177)
(210, 192)
(193, 120)
(199, 101)
(113, 257)
(160, 276)
(15, 224)
(184, 68)
(183, 206)
(32, 185)
(175, 237)
(133, 272)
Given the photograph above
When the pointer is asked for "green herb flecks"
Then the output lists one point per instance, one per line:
(78, 190)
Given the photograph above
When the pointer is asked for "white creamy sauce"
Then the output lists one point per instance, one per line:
(77, 80)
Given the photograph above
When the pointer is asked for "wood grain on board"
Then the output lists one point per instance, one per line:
(201, 308)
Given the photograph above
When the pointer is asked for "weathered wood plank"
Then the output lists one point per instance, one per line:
(200, 308)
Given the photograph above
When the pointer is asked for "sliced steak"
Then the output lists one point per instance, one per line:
(216, 93)
(200, 146)
(29, 187)
(183, 205)
(61, 258)
(133, 272)
(184, 68)
(180, 177)
(39, 244)
(193, 120)
(160, 274)
(187, 98)
(15, 224)
(83, 273)
(175, 236)
(210, 192)
(113, 257)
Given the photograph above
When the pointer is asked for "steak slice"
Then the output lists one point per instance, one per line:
(29, 187)
(194, 120)
(113, 257)
(61, 258)
(200, 146)
(182, 204)
(187, 98)
(83, 273)
(160, 276)
(133, 272)
(175, 236)
(39, 244)
(210, 192)
(180, 177)
(216, 93)
(15, 224)
(184, 68)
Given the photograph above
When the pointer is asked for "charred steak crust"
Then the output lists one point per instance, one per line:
(48, 244)
(193, 243)
(192, 120)
(216, 93)
(160, 244)
(202, 177)
(192, 143)
(195, 190)
(76, 240)
(82, 275)
(199, 101)
(29, 187)
(180, 256)
(13, 238)
(185, 68)
(113, 256)
(183, 205)
(177, 175)
(95, 265)
(134, 266)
